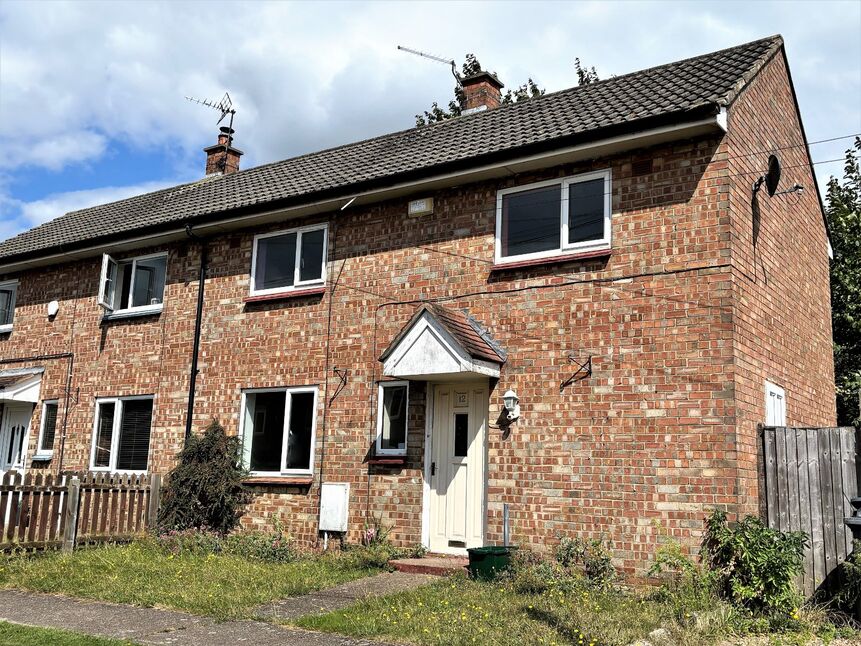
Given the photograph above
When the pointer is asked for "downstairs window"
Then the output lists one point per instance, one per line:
(278, 431)
(121, 434)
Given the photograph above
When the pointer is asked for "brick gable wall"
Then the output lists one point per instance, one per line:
(781, 298)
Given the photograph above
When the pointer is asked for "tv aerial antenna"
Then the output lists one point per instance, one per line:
(224, 106)
(438, 59)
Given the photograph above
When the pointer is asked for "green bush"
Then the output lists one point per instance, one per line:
(850, 578)
(534, 573)
(754, 565)
(592, 555)
(205, 490)
(193, 542)
(269, 547)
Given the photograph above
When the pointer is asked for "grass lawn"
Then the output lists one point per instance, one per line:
(15, 635)
(221, 586)
(457, 611)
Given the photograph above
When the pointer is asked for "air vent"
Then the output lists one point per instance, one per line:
(641, 167)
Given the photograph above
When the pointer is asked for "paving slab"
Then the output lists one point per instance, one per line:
(153, 625)
(343, 595)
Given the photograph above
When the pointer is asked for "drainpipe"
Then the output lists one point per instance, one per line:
(197, 322)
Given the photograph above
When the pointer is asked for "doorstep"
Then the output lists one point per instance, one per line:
(432, 564)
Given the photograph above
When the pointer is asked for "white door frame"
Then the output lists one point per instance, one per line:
(428, 458)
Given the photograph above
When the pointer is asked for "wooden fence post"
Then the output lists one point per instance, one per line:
(70, 514)
(154, 495)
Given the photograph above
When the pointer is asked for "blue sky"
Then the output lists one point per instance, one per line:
(91, 94)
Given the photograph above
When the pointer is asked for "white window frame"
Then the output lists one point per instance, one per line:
(772, 388)
(247, 435)
(115, 433)
(13, 286)
(107, 261)
(379, 443)
(297, 284)
(565, 248)
(41, 454)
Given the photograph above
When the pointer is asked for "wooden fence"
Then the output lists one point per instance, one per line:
(810, 477)
(44, 511)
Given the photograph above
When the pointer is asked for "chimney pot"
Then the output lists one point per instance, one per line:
(222, 158)
(482, 92)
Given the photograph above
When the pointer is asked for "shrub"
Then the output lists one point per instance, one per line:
(533, 573)
(754, 565)
(195, 542)
(850, 577)
(270, 547)
(594, 557)
(205, 490)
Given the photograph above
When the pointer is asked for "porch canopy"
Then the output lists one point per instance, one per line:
(20, 384)
(442, 344)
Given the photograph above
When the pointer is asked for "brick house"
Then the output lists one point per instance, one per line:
(600, 251)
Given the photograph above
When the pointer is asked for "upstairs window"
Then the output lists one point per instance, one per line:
(289, 260)
(553, 218)
(135, 285)
(47, 430)
(8, 290)
(392, 418)
(121, 434)
(278, 431)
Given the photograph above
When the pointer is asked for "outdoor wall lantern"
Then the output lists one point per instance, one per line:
(512, 405)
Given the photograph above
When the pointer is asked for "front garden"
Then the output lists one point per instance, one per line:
(741, 587)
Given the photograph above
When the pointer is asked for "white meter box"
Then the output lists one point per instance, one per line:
(334, 506)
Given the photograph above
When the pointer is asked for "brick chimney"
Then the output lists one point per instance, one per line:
(222, 158)
(482, 92)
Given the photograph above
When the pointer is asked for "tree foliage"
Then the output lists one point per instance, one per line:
(205, 490)
(585, 75)
(844, 221)
(524, 92)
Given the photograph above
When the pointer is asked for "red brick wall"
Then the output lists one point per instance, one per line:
(781, 299)
(637, 452)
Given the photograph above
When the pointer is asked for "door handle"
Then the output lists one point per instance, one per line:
(433, 468)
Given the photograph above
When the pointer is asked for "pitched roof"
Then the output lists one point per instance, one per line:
(475, 341)
(686, 89)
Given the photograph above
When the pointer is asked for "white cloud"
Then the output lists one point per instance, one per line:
(21, 215)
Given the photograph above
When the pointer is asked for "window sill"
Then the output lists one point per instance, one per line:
(119, 315)
(281, 296)
(289, 481)
(388, 460)
(42, 457)
(551, 260)
(5, 329)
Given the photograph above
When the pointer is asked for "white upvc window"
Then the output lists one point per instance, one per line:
(47, 430)
(121, 434)
(8, 292)
(134, 285)
(775, 405)
(278, 430)
(288, 260)
(392, 417)
(553, 218)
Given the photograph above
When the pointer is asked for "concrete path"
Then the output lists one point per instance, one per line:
(343, 595)
(152, 626)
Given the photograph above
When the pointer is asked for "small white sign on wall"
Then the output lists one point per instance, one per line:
(334, 506)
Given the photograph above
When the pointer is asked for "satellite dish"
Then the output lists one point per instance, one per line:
(772, 177)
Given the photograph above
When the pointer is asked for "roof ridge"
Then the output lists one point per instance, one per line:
(508, 106)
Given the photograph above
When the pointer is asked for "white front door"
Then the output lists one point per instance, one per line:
(14, 424)
(458, 451)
